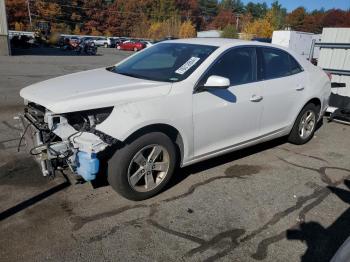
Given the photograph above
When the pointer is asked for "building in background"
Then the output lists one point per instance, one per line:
(4, 39)
(210, 33)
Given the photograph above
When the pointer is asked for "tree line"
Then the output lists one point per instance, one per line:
(160, 18)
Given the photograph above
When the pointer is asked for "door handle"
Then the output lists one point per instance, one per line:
(300, 88)
(256, 98)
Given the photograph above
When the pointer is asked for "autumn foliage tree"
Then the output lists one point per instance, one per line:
(259, 28)
(296, 18)
(187, 30)
(160, 18)
(17, 14)
(224, 18)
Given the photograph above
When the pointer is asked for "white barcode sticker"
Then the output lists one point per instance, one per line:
(191, 62)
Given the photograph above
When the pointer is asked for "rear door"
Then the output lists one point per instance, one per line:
(283, 85)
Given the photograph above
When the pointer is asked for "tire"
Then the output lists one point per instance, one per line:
(298, 136)
(118, 47)
(135, 49)
(105, 45)
(128, 161)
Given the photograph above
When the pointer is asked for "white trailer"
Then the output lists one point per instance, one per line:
(299, 42)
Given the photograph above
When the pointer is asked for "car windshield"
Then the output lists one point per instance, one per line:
(167, 62)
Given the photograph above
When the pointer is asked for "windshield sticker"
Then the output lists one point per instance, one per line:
(191, 62)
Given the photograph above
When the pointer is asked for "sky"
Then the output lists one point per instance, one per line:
(308, 4)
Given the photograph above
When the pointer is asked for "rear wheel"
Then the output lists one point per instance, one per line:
(105, 45)
(305, 125)
(143, 167)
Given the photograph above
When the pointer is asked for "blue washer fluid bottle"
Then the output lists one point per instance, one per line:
(87, 165)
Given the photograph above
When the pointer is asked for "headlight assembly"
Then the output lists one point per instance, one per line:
(88, 119)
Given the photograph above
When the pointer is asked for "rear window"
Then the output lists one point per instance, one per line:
(277, 63)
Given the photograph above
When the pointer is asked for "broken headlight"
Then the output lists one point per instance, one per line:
(86, 120)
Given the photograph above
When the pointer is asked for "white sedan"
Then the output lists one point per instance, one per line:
(176, 103)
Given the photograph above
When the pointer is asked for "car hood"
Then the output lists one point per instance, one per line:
(91, 89)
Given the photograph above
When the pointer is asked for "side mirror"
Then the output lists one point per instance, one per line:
(218, 82)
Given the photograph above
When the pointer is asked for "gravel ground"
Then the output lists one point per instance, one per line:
(272, 202)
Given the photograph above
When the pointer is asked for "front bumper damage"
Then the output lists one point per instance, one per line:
(57, 145)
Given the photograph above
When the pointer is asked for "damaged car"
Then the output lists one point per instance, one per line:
(174, 104)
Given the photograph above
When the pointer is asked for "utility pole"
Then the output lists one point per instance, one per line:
(238, 16)
(30, 15)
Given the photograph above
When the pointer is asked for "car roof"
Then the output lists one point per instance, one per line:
(219, 42)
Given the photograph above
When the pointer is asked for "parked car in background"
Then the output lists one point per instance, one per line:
(87, 46)
(112, 42)
(103, 41)
(131, 45)
(74, 41)
(176, 103)
(147, 43)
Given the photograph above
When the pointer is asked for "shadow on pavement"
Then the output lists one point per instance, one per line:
(322, 243)
(33, 200)
(46, 51)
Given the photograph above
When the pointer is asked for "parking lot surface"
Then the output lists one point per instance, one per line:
(272, 202)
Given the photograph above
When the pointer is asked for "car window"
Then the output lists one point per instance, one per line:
(294, 66)
(156, 61)
(238, 65)
(170, 62)
(277, 63)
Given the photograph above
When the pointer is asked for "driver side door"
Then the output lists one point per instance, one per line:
(225, 118)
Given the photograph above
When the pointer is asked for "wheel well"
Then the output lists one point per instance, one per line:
(170, 131)
(316, 102)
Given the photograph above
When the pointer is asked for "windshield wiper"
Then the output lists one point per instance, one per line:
(130, 74)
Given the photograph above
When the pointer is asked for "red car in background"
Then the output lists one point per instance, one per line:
(131, 45)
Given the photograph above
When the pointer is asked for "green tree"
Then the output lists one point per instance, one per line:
(208, 8)
(163, 9)
(229, 32)
(278, 15)
(257, 10)
(235, 6)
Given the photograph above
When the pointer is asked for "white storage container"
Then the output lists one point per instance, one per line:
(299, 42)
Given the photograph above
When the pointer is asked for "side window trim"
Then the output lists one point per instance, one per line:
(255, 64)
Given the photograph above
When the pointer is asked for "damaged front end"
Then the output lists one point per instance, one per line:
(59, 141)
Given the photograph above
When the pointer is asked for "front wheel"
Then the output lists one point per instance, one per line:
(305, 125)
(143, 167)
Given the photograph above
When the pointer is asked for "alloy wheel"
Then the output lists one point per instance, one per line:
(307, 124)
(148, 168)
